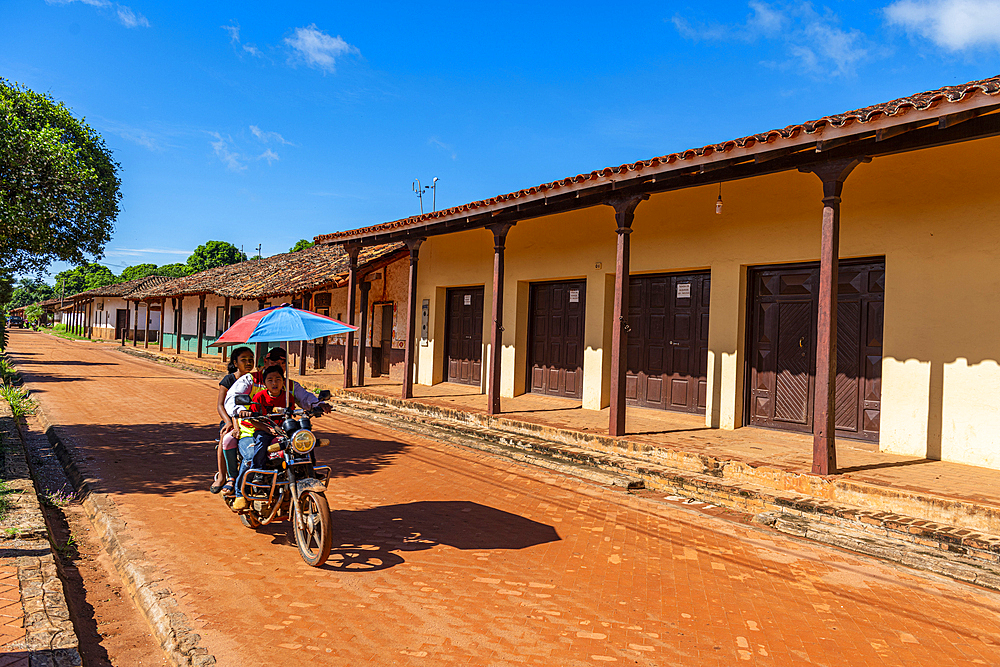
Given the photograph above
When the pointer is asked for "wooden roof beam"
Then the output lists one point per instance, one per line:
(951, 120)
(824, 145)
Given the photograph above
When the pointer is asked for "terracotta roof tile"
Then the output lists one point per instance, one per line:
(917, 102)
(279, 275)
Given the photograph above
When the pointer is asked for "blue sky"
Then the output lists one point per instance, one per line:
(262, 124)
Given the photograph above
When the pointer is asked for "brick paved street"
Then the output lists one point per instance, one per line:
(443, 555)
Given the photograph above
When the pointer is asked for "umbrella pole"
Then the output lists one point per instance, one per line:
(288, 377)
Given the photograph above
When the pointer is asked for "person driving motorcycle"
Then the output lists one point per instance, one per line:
(273, 394)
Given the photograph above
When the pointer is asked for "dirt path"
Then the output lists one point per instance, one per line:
(110, 628)
(447, 555)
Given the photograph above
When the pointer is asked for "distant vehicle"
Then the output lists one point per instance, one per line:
(15, 321)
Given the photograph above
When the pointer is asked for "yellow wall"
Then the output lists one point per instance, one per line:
(933, 214)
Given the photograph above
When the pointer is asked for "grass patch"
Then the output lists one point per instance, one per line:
(21, 404)
(60, 330)
(68, 551)
(7, 371)
(6, 501)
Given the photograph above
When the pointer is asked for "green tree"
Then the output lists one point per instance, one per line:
(33, 313)
(83, 278)
(302, 244)
(214, 253)
(138, 271)
(173, 270)
(30, 290)
(59, 187)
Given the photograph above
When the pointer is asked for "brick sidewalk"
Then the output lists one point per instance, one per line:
(12, 649)
(447, 555)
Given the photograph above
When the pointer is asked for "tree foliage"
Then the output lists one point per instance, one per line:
(214, 253)
(84, 277)
(138, 271)
(302, 244)
(173, 270)
(33, 313)
(59, 187)
(30, 290)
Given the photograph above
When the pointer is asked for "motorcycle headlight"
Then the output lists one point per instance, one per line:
(303, 441)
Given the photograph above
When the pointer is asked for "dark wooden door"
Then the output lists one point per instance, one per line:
(783, 347)
(464, 335)
(555, 338)
(667, 348)
(387, 312)
(121, 322)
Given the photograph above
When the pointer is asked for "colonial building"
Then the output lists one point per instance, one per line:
(835, 277)
(200, 307)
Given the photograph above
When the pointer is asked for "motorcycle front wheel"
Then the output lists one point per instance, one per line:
(312, 528)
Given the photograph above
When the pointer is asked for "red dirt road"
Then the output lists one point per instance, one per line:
(447, 555)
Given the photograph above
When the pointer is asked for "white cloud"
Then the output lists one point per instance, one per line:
(268, 155)
(317, 48)
(448, 148)
(266, 137)
(952, 24)
(234, 39)
(130, 19)
(815, 42)
(125, 15)
(137, 252)
(232, 160)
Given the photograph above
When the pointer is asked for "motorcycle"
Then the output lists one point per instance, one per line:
(290, 486)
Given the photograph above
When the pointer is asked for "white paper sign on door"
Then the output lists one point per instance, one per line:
(574, 296)
(468, 300)
(683, 290)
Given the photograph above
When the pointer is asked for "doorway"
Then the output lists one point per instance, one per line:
(555, 337)
(464, 335)
(782, 347)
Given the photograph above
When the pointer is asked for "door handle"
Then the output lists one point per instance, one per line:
(802, 341)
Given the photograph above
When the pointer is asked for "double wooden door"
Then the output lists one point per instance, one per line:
(555, 337)
(464, 354)
(667, 348)
(121, 322)
(782, 371)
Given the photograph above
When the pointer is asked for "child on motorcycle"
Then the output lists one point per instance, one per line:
(253, 443)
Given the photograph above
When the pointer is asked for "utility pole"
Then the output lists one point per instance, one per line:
(420, 193)
(258, 250)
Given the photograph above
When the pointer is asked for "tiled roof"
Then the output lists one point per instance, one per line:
(898, 107)
(124, 289)
(286, 274)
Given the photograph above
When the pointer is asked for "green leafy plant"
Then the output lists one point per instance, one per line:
(11, 533)
(67, 550)
(21, 404)
(6, 502)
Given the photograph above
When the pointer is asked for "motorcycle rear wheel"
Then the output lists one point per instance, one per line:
(249, 520)
(312, 528)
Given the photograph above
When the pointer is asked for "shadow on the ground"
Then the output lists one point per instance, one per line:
(375, 539)
(886, 464)
(173, 458)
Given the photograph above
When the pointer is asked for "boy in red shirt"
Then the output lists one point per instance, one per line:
(253, 446)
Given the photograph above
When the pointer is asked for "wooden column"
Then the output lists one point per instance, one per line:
(624, 215)
(411, 318)
(304, 345)
(179, 323)
(201, 323)
(163, 322)
(90, 319)
(352, 281)
(362, 332)
(261, 347)
(135, 325)
(145, 343)
(225, 327)
(833, 174)
(496, 331)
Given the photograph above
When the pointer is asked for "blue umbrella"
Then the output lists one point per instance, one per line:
(281, 323)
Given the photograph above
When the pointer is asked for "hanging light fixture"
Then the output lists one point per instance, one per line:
(718, 203)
